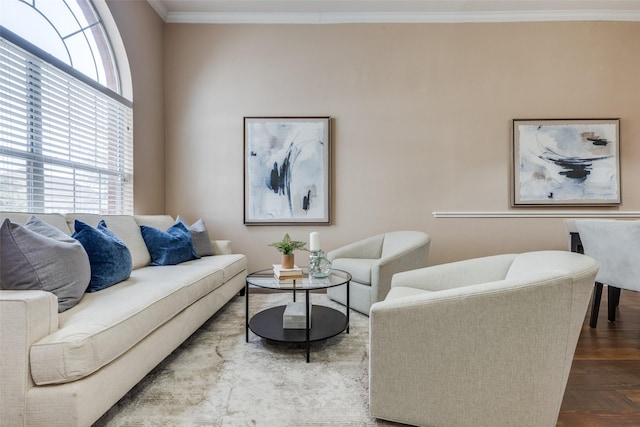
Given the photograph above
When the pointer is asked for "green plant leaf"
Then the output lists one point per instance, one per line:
(287, 246)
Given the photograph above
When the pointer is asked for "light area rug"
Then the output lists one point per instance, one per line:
(215, 378)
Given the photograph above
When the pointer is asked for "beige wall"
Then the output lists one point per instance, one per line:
(421, 121)
(142, 33)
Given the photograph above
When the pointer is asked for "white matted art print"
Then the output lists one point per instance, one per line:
(286, 170)
(566, 162)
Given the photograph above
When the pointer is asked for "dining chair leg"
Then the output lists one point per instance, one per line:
(595, 305)
(613, 296)
(617, 295)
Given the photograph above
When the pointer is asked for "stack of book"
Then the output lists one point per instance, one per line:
(287, 273)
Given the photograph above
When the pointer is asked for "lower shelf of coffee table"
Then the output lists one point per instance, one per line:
(326, 322)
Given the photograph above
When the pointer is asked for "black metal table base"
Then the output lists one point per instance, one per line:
(326, 322)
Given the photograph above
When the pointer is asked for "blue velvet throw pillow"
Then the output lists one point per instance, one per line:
(109, 257)
(171, 247)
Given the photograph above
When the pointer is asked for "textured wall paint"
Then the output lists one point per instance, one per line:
(421, 121)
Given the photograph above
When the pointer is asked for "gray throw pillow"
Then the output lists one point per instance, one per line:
(199, 236)
(38, 256)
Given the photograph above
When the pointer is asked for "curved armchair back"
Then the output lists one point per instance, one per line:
(396, 242)
(454, 351)
(369, 248)
(373, 261)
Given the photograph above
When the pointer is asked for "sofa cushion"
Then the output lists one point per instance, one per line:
(108, 323)
(231, 265)
(360, 268)
(27, 261)
(125, 227)
(171, 247)
(199, 236)
(162, 222)
(109, 256)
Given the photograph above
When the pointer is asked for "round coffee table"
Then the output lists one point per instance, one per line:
(324, 322)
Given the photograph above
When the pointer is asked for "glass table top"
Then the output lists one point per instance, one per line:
(266, 279)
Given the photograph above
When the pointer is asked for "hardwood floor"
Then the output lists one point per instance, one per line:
(604, 385)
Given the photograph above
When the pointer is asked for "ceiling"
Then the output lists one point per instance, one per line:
(363, 11)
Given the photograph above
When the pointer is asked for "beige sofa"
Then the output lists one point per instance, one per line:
(480, 342)
(67, 369)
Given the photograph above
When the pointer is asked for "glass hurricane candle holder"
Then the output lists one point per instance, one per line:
(319, 266)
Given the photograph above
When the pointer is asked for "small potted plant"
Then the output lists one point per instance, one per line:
(286, 246)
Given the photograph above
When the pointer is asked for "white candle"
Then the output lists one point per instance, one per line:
(314, 241)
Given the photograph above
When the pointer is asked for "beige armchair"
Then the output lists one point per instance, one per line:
(373, 261)
(480, 342)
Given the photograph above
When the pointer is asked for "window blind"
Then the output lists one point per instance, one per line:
(65, 146)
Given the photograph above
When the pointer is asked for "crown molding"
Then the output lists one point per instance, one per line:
(160, 8)
(393, 17)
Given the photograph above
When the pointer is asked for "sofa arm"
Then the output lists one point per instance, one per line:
(455, 274)
(25, 317)
(221, 247)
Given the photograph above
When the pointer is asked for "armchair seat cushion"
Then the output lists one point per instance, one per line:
(360, 268)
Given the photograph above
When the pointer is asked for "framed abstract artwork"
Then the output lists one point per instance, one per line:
(287, 170)
(566, 162)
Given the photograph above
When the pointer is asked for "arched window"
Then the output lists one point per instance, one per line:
(66, 137)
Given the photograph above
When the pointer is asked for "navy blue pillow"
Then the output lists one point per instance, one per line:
(109, 256)
(171, 247)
